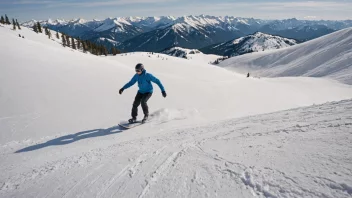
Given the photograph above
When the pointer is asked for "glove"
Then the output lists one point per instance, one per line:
(164, 93)
(121, 90)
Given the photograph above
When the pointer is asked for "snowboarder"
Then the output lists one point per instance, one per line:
(145, 91)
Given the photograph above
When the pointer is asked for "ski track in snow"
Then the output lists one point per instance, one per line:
(304, 152)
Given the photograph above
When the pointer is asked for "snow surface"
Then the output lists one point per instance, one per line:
(59, 135)
(328, 56)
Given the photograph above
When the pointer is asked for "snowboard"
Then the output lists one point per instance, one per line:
(127, 125)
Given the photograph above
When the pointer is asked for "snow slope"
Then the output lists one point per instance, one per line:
(328, 56)
(297, 153)
(59, 135)
(252, 43)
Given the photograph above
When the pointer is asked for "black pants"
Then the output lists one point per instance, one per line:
(141, 99)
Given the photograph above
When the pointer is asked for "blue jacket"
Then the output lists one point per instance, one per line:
(144, 82)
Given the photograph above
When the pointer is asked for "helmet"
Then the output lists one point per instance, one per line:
(139, 66)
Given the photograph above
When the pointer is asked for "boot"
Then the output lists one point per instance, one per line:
(145, 119)
(132, 120)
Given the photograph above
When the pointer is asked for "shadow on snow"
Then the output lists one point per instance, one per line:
(67, 139)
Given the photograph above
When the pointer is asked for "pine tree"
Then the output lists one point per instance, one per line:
(48, 32)
(63, 40)
(90, 47)
(87, 46)
(57, 35)
(94, 49)
(35, 28)
(2, 20)
(14, 24)
(101, 50)
(73, 43)
(105, 51)
(118, 51)
(68, 40)
(97, 50)
(7, 20)
(18, 25)
(39, 27)
(84, 45)
(78, 44)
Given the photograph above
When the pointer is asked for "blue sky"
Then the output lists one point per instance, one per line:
(89, 9)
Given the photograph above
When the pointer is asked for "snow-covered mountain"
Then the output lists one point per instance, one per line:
(56, 22)
(328, 56)
(59, 135)
(191, 54)
(112, 31)
(187, 32)
(150, 23)
(248, 44)
(158, 33)
(180, 52)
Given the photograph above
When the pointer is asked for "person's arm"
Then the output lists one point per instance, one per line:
(156, 81)
(132, 82)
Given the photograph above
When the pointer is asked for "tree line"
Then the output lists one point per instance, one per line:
(67, 41)
(5, 21)
(77, 43)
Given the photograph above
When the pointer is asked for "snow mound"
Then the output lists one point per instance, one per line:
(328, 56)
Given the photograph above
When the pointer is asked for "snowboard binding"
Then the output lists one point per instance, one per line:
(132, 120)
(145, 119)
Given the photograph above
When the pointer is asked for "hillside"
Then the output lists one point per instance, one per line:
(59, 135)
(328, 56)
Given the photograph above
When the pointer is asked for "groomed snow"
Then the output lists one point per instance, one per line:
(59, 135)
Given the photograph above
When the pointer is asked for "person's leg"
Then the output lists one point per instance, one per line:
(144, 101)
(136, 103)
